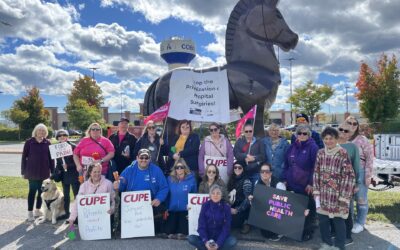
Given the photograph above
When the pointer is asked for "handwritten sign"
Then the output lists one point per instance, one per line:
(87, 160)
(221, 163)
(195, 202)
(94, 221)
(278, 211)
(136, 214)
(60, 150)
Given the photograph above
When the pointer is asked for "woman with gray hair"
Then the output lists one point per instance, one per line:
(299, 169)
(36, 165)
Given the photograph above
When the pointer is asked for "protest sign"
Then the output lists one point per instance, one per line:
(87, 160)
(221, 163)
(194, 204)
(94, 221)
(60, 150)
(278, 211)
(199, 96)
(136, 214)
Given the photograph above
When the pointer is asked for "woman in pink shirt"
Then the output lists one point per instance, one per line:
(93, 148)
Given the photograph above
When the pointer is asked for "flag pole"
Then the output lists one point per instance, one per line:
(162, 135)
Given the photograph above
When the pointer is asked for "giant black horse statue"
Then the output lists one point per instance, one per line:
(253, 28)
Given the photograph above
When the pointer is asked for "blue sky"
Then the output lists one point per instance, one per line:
(49, 44)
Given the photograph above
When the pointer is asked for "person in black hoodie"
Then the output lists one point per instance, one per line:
(66, 169)
(124, 144)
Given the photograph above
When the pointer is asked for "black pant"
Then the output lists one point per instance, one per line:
(158, 213)
(309, 221)
(349, 225)
(177, 223)
(340, 229)
(239, 218)
(66, 189)
(34, 186)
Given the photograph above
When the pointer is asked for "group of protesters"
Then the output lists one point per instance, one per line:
(332, 169)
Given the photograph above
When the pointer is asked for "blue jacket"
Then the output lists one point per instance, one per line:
(215, 222)
(178, 192)
(299, 165)
(190, 152)
(315, 135)
(154, 181)
(276, 157)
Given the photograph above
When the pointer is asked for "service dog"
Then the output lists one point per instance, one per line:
(53, 201)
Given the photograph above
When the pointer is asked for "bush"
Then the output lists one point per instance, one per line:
(11, 134)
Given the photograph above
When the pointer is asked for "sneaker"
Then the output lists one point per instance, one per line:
(307, 237)
(276, 237)
(348, 242)
(30, 216)
(37, 213)
(245, 229)
(357, 228)
(173, 236)
(181, 237)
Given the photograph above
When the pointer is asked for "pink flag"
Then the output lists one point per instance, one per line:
(159, 114)
(250, 115)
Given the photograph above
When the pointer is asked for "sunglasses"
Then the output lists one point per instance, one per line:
(237, 167)
(95, 129)
(213, 129)
(248, 131)
(343, 130)
(352, 123)
(179, 167)
(144, 158)
(265, 171)
(211, 172)
(151, 127)
(62, 135)
(302, 133)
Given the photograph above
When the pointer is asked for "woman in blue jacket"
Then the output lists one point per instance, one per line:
(181, 182)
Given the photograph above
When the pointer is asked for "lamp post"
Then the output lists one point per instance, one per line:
(93, 70)
(291, 59)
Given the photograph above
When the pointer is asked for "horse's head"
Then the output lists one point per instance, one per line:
(265, 22)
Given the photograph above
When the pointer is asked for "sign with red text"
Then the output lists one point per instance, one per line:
(221, 163)
(136, 214)
(194, 205)
(278, 211)
(60, 150)
(93, 216)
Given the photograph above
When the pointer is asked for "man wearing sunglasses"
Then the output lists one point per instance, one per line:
(143, 175)
(302, 119)
(124, 143)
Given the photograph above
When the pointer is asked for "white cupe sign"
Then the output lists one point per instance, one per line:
(221, 163)
(194, 205)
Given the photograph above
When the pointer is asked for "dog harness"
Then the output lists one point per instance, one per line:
(48, 202)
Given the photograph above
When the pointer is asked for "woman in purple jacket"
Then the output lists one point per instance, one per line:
(299, 169)
(36, 166)
(214, 224)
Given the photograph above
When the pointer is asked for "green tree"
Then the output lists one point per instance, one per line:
(307, 99)
(86, 89)
(81, 114)
(379, 92)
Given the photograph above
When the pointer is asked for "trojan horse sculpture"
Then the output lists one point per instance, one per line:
(253, 28)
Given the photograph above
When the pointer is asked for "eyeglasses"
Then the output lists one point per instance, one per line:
(211, 172)
(213, 129)
(179, 167)
(248, 131)
(95, 129)
(63, 135)
(353, 123)
(237, 167)
(302, 133)
(144, 158)
(343, 130)
(151, 127)
(265, 171)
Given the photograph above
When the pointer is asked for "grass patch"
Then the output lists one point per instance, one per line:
(15, 187)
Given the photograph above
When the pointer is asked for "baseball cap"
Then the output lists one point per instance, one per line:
(144, 151)
(124, 119)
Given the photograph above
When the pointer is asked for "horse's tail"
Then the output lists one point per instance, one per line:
(149, 105)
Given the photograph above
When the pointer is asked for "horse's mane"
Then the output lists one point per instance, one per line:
(240, 8)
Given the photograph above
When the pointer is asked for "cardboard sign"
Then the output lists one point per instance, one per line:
(136, 214)
(278, 211)
(94, 221)
(221, 163)
(87, 160)
(194, 204)
(60, 150)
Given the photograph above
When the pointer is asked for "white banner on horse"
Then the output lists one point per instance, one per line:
(202, 97)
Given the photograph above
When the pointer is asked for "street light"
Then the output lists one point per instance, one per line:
(93, 70)
(290, 69)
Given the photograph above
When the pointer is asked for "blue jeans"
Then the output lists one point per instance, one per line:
(362, 200)
(196, 241)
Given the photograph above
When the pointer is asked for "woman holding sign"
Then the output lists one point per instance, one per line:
(181, 182)
(93, 148)
(334, 182)
(36, 165)
(214, 224)
(95, 184)
(217, 150)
